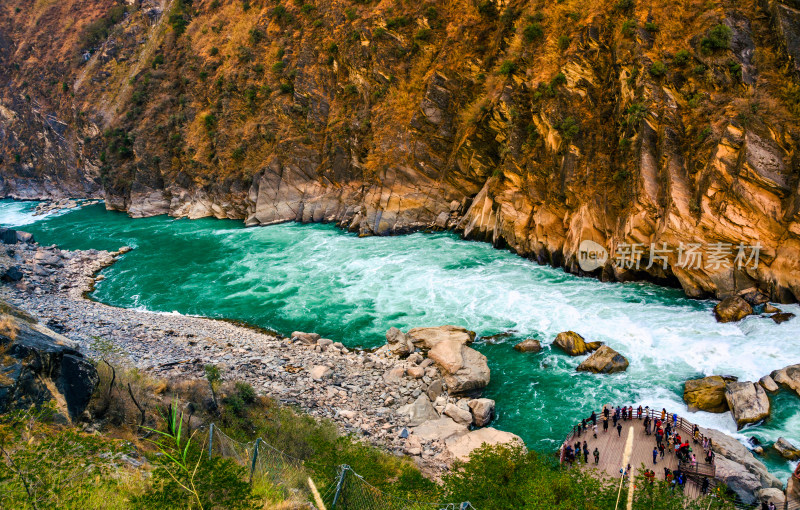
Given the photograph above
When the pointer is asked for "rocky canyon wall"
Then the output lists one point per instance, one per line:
(531, 125)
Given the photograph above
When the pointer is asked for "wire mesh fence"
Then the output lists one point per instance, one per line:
(268, 465)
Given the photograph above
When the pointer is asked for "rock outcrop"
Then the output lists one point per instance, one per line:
(465, 370)
(786, 449)
(529, 345)
(462, 447)
(386, 132)
(788, 377)
(738, 468)
(39, 366)
(706, 394)
(747, 401)
(732, 309)
(573, 344)
(604, 360)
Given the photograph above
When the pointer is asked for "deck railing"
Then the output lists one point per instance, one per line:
(679, 423)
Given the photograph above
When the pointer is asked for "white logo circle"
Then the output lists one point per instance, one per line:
(591, 255)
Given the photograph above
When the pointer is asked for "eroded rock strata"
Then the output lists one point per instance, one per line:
(530, 125)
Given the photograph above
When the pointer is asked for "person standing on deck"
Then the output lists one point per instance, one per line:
(663, 414)
(585, 453)
(619, 430)
(605, 424)
(597, 455)
(674, 420)
(655, 455)
(593, 417)
(639, 413)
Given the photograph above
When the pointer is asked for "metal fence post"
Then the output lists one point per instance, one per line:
(339, 484)
(210, 440)
(255, 456)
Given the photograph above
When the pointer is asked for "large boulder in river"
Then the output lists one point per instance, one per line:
(574, 344)
(732, 309)
(529, 345)
(747, 401)
(465, 370)
(788, 377)
(604, 360)
(706, 394)
(40, 366)
(786, 449)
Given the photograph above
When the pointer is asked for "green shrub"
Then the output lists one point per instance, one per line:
(257, 35)
(423, 34)
(718, 38)
(564, 42)
(533, 32)
(278, 66)
(735, 68)
(286, 88)
(658, 69)
(350, 13)
(214, 51)
(307, 9)
(210, 123)
(624, 5)
(629, 28)
(397, 22)
(559, 79)
(487, 8)
(507, 67)
(651, 27)
(568, 128)
(682, 58)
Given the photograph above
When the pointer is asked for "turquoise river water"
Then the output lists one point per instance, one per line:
(318, 278)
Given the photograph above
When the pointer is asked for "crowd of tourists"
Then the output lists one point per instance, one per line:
(666, 430)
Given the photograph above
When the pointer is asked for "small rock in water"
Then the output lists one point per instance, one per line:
(529, 345)
(782, 317)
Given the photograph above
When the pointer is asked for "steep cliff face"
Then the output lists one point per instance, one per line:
(533, 125)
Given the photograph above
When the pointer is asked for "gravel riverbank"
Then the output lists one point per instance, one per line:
(374, 394)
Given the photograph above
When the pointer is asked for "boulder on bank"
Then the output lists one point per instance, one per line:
(740, 462)
(529, 345)
(465, 370)
(604, 360)
(769, 384)
(732, 309)
(398, 342)
(741, 481)
(747, 401)
(464, 445)
(482, 411)
(754, 297)
(788, 377)
(574, 344)
(706, 394)
(40, 365)
(771, 495)
(420, 411)
(786, 449)
(306, 338)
